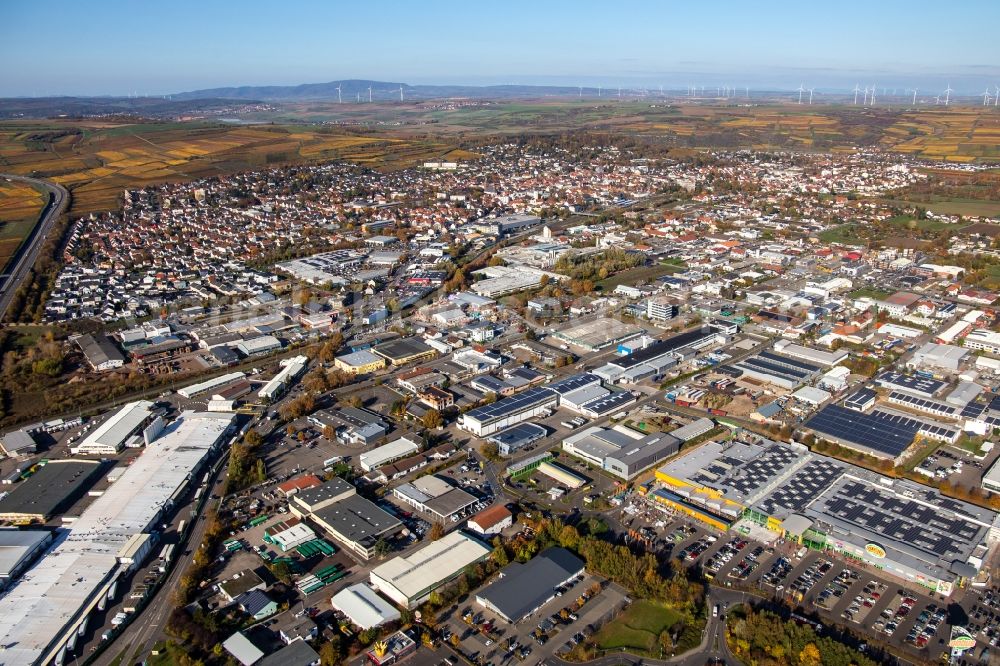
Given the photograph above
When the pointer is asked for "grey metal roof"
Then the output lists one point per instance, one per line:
(357, 519)
(296, 653)
(52, 489)
(524, 587)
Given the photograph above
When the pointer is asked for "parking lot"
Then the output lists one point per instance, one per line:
(909, 618)
(575, 612)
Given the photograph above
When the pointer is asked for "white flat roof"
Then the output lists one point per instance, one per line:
(118, 427)
(34, 614)
(387, 453)
(208, 384)
(435, 562)
(363, 606)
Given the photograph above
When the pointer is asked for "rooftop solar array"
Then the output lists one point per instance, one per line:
(880, 432)
(933, 406)
(608, 403)
(520, 435)
(512, 405)
(803, 487)
(789, 361)
(746, 469)
(923, 427)
(762, 469)
(573, 382)
(767, 367)
(860, 399)
(973, 410)
(932, 529)
(913, 384)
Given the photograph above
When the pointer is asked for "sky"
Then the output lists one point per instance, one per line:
(114, 47)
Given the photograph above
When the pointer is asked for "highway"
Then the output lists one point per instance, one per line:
(26, 254)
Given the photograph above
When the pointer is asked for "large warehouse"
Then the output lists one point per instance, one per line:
(524, 588)
(364, 607)
(404, 350)
(504, 413)
(904, 528)
(434, 498)
(597, 334)
(111, 436)
(43, 612)
(409, 580)
(49, 491)
(657, 357)
(18, 549)
(620, 450)
(387, 453)
(780, 370)
(881, 432)
(354, 521)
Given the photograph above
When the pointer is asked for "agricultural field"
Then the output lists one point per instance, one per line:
(20, 205)
(96, 161)
(954, 135)
(638, 628)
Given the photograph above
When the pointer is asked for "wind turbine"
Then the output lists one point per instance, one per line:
(340, 100)
(400, 93)
(865, 103)
(937, 99)
(914, 103)
(598, 91)
(748, 92)
(857, 89)
(947, 94)
(801, 90)
(369, 94)
(987, 97)
(996, 95)
(811, 95)
(873, 94)
(619, 93)
(581, 92)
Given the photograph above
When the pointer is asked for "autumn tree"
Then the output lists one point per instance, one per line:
(432, 419)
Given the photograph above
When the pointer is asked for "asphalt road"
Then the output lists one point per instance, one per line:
(147, 627)
(26, 254)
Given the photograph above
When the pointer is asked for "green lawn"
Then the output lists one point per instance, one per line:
(638, 628)
(634, 276)
(910, 222)
(870, 292)
(843, 234)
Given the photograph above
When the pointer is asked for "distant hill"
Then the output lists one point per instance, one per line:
(39, 107)
(350, 89)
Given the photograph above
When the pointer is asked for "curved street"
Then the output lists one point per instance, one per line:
(28, 251)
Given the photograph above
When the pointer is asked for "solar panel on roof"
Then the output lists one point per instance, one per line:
(609, 402)
(885, 433)
(773, 368)
(785, 360)
(511, 405)
(573, 383)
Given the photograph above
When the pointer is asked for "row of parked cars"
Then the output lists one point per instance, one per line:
(694, 551)
(926, 625)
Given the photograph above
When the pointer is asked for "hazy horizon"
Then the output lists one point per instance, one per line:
(117, 48)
